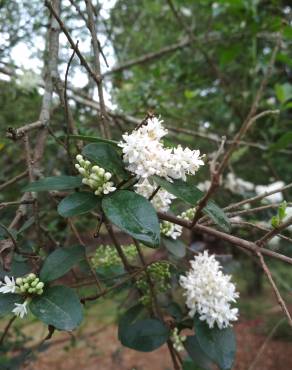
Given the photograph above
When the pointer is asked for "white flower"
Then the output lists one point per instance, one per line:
(237, 185)
(170, 230)
(184, 162)
(20, 309)
(153, 129)
(162, 199)
(209, 292)
(8, 286)
(273, 198)
(145, 155)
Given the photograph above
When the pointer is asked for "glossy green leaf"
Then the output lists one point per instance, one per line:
(93, 139)
(7, 302)
(59, 306)
(191, 195)
(77, 204)
(199, 358)
(54, 183)
(175, 247)
(143, 335)
(218, 344)
(133, 214)
(106, 156)
(59, 262)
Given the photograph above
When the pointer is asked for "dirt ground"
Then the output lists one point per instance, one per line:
(101, 350)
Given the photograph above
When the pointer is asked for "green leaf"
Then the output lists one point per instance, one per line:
(59, 306)
(93, 139)
(282, 142)
(175, 311)
(54, 183)
(133, 214)
(176, 247)
(106, 156)
(218, 344)
(59, 262)
(143, 335)
(77, 204)
(181, 189)
(191, 195)
(283, 92)
(189, 365)
(198, 357)
(7, 302)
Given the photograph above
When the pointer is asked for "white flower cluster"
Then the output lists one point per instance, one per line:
(146, 155)
(9, 286)
(27, 285)
(209, 292)
(162, 199)
(177, 340)
(94, 176)
(170, 229)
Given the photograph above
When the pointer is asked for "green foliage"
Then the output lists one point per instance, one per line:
(93, 139)
(59, 306)
(143, 335)
(191, 195)
(198, 356)
(106, 156)
(78, 204)
(59, 262)
(175, 246)
(133, 214)
(217, 344)
(281, 214)
(54, 183)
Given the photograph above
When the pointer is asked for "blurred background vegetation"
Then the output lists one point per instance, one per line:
(209, 61)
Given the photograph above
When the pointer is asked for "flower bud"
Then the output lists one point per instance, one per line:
(101, 171)
(107, 175)
(95, 169)
(40, 285)
(18, 281)
(31, 276)
(40, 292)
(82, 171)
(35, 282)
(79, 157)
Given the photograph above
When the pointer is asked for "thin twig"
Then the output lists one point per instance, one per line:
(275, 289)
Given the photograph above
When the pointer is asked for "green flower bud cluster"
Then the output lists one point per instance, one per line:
(29, 285)
(107, 256)
(170, 229)
(189, 214)
(177, 340)
(94, 176)
(159, 273)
